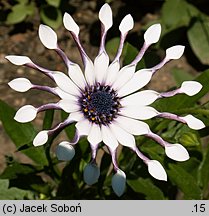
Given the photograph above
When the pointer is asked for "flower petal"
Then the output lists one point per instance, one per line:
(190, 87)
(142, 113)
(89, 72)
(18, 60)
(156, 170)
(108, 137)
(83, 127)
(132, 126)
(76, 116)
(65, 151)
(141, 98)
(62, 94)
(70, 24)
(126, 24)
(105, 16)
(95, 135)
(91, 173)
(47, 36)
(176, 152)
(65, 83)
(26, 114)
(193, 122)
(69, 105)
(152, 34)
(112, 72)
(138, 81)
(175, 52)
(76, 74)
(101, 63)
(20, 84)
(119, 182)
(124, 75)
(41, 138)
(123, 137)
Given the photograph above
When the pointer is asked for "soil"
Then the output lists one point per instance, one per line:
(23, 40)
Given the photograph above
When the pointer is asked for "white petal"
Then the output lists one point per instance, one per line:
(174, 52)
(65, 83)
(41, 138)
(123, 137)
(193, 122)
(156, 170)
(70, 24)
(76, 74)
(141, 98)
(83, 127)
(191, 87)
(138, 81)
(18, 60)
(101, 63)
(89, 72)
(76, 116)
(133, 126)
(65, 151)
(105, 16)
(69, 105)
(142, 113)
(124, 75)
(95, 135)
(108, 138)
(112, 72)
(119, 182)
(20, 84)
(47, 36)
(126, 24)
(62, 94)
(177, 152)
(152, 35)
(26, 114)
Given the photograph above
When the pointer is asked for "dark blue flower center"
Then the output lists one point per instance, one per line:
(99, 104)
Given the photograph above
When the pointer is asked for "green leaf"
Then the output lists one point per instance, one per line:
(181, 75)
(130, 52)
(23, 1)
(54, 3)
(146, 187)
(48, 119)
(51, 16)
(11, 193)
(184, 181)
(204, 170)
(112, 47)
(198, 36)
(189, 139)
(14, 169)
(21, 134)
(19, 13)
(175, 13)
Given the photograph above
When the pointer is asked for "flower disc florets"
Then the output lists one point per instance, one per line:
(99, 104)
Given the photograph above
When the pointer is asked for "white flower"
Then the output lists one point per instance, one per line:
(104, 100)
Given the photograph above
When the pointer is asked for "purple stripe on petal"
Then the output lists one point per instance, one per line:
(114, 159)
(41, 69)
(171, 116)
(45, 88)
(140, 54)
(48, 107)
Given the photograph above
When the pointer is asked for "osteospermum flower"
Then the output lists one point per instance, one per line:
(104, 100)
